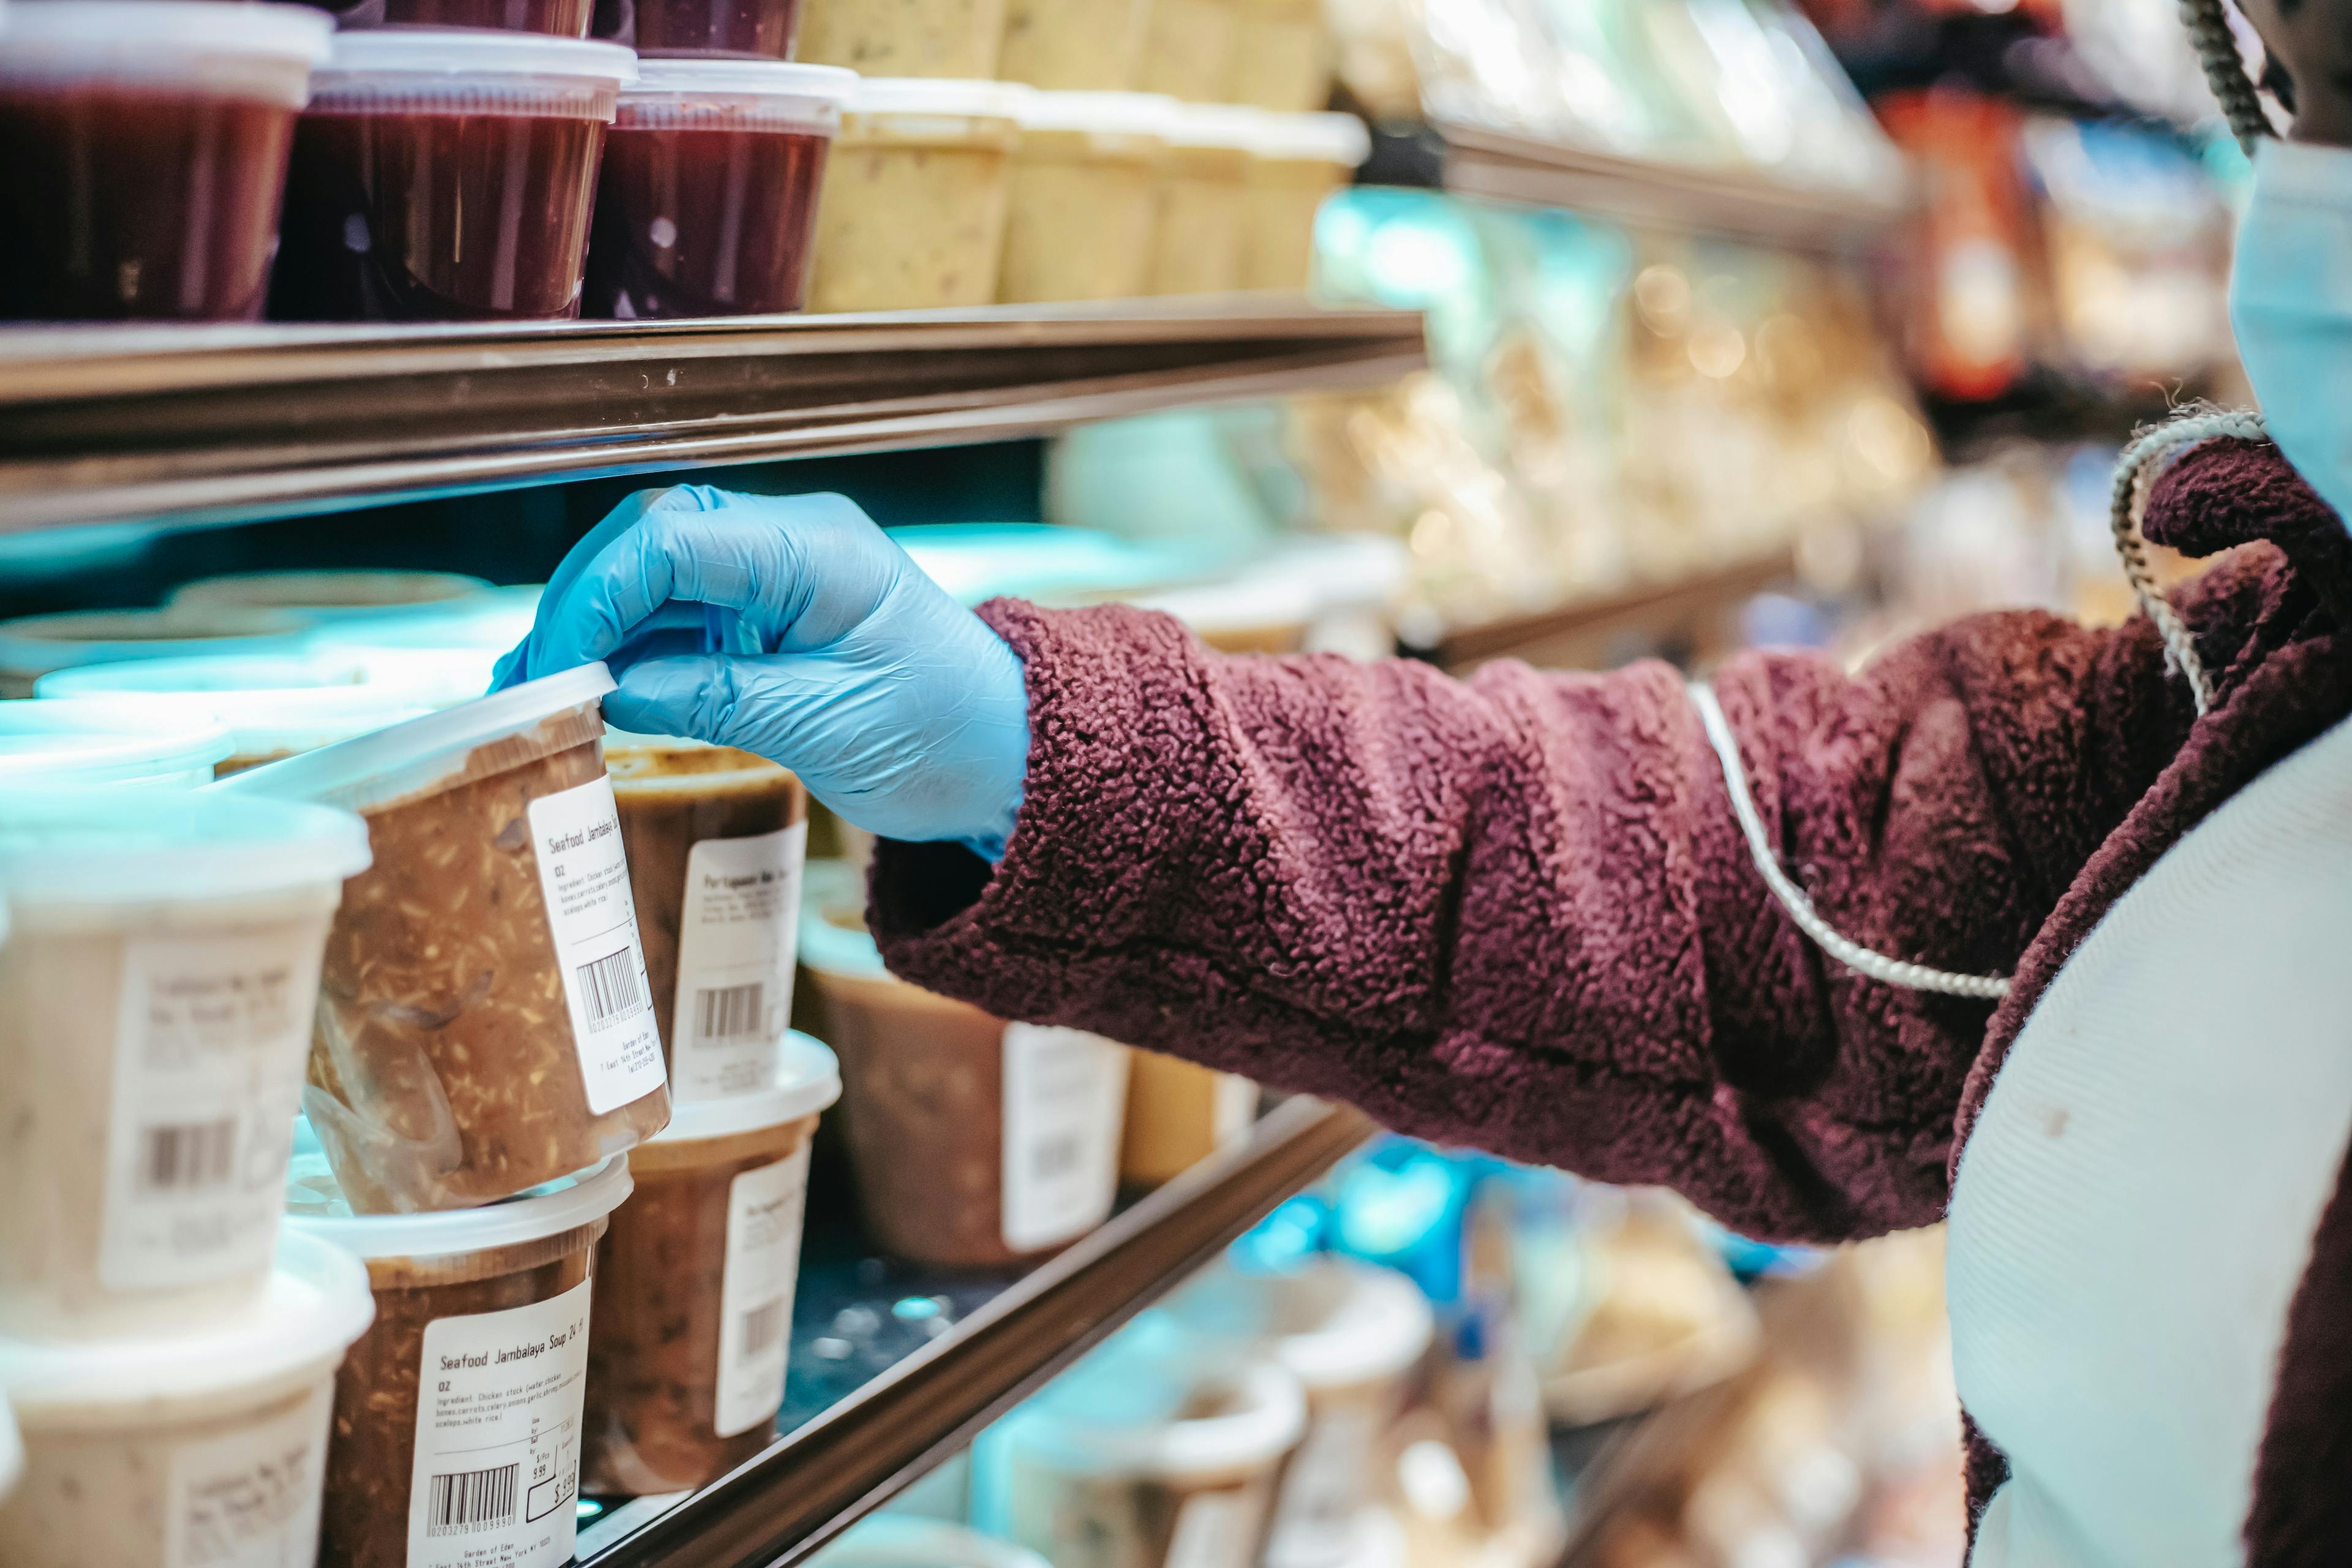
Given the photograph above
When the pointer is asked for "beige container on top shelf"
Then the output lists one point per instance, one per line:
(1075, 46)
(1299, 161)
(1199, 217)
(1085, 181)
(915, 196)
(1281, 56)
(903, 37)
(1188, 49)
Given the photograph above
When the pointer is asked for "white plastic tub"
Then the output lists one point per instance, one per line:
(205, 1446)
(160, 979)
(85, 743)
(326, 597)
(1083, 184)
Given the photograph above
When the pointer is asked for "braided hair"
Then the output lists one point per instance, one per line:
(2225, 73)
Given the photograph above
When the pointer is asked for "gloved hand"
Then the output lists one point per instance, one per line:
(791, 627)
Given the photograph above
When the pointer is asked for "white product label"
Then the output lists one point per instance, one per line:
(1325, 1486)
(585, 875)
(1235, 1107)
(497, 1436)
(250, 1498)
(1064, 1101)
(1213, 1529)
(737, 935)
(755, 1300)
(210, 1036)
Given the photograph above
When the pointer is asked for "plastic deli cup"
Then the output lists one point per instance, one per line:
(707, 201)
(32, 645)
(717, 838)
(484, 1023)
(1018, 1123)
(1298, 161)
(1189, 49)
(142, 152)
(1146, 1456)
(1179, 1114)
(1281, 56)
(446, 175)
(1082, 46)
(1078, 221)
(904, 37)
(457, 1430)
(291, 708)
(694, 1285)
(915, 197)
(155, 1001)
(1197, 226)
(673, 27)
(88, 742)
(198, 1444)
(320, 597)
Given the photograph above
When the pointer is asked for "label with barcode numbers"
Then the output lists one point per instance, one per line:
(1064, 1101)
(497, 1472)
(755, 1295)
(584, 874)
(247, 1497)
(738, 926)
(210, 1036)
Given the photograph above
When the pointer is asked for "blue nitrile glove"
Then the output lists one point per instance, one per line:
(793, 627)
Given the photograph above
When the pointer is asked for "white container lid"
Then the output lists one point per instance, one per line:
(496, 621)
(32, 645)
(807, 1080)
(430, 60)
(408, 757)
(830, 86)
(92, 742)
(281, 712)
(260, 50)
(902, 1540)
(316, 1307)
(315, 1207)
(1122, 1411)
(927, 95)
(332, 596)
(1338, 138)
(1220, 125)
(1333, 1322)
(59, 847)
(1100, 113)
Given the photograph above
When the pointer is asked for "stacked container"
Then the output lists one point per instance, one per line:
(1079, 222)
(32, 645)
(1297, 162)
(1198, 216)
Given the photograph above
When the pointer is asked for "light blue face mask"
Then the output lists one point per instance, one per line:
(2290, 304)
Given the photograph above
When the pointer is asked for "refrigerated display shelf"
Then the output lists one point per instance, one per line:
(225, 423)
(876, 1399)
(1579, 634)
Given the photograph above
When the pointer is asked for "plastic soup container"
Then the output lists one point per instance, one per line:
(458, 1416)
(707, 201)
(280, 716)
(694, 1285)
(1078, 225)
(1083, 46)
(1178, 1114)
(717, 838)
(957, 38)
(1197, 226)
(1281, 56)
(673, 27)
(189, 1446)
(484, 1022)
(977, 1144)
(32, 645)
(88, 742)
(915, 197)
(445, 176)
(155, 1002)
(324, 597)
(1189, 48)
(142, 153)
(1300, 160)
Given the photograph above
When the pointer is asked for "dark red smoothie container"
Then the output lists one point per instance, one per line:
(740, 27)
(707, 203)
(142, 152)
(446, 175)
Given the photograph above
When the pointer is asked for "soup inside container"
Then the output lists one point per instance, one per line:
(484, 1023)
(707, 201)
(32, 645)
(916, 196)
(1079, 223)
(83, 742)
(958, 38)
(1016, 1125)
(1189, 49)
(716, 840)
(695, 1283)
(436, 1418)
(1197, 225)
(155, 1002)
(1075, 46)
(281, 715)
(142, 152)
(446, 175)
(320, 596)
(1151, 1453)
(1299, 161)
(1281, 56)
(670, 28)
(137, 1446)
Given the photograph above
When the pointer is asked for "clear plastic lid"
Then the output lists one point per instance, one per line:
(60, 847)
(778, 94)
(420, 679)
(1333, 1322)
(807, 1080)
(316, 1306)
(334, 595)
(32, 645)
(410, 758)
(1218, 126)
(211, 46)
(1100, 113)
(285, 720)
(471, 70)
(92, 742)
(1338, 138)
(943, 97)
(495, 621)
(315, 1207)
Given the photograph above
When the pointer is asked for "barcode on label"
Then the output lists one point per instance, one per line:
(762, 1327)
(469, 1500)
(189, 1157)
(609, 989)
(1051, 1157)
(731, 1012)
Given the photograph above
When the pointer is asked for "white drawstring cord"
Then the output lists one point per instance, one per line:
(2143, 463)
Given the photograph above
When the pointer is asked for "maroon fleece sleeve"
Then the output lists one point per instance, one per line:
(1516, 912)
